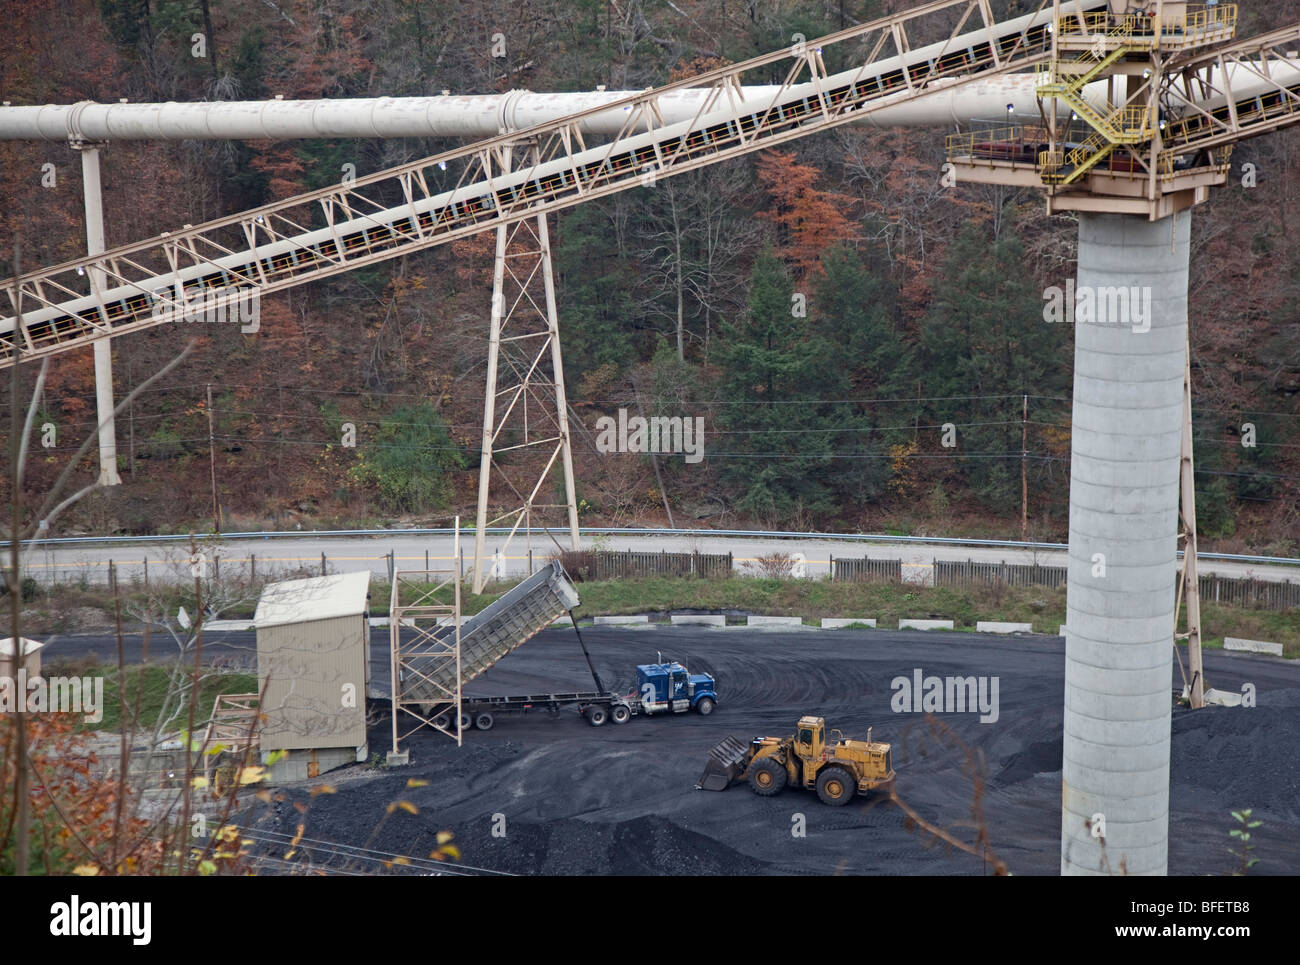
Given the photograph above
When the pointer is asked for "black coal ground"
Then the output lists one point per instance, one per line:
(552, 795)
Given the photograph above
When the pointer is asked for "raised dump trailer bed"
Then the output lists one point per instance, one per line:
(505, 624)
(511, 621)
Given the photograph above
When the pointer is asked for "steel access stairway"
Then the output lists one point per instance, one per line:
(1122, 126)
(1101, 40)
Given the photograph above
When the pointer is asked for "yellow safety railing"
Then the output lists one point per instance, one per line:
(1076, 156)
(1130, 122)
(1016, 135)
(1198, 20)
(1074, 25)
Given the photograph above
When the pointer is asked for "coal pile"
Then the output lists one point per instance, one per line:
(551, 795)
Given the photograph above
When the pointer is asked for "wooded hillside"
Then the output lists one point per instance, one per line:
(826, 308)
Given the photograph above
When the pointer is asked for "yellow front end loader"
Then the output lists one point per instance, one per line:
(836, 770)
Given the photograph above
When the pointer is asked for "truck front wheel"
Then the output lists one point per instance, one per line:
(705, 706)
(767, 777)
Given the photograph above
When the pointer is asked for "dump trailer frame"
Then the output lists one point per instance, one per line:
(596, 707)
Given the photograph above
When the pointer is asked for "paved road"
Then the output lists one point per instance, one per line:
(169, 561)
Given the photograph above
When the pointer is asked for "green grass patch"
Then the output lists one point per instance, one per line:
(147, 688)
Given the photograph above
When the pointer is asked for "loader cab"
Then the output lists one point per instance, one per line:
(810, 738)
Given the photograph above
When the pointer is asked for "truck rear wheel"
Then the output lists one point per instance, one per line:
(620, 713)
(597, 715)
(836, 786)
(767, 777)
(705, 706)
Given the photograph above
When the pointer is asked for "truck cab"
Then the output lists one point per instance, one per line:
(671, 687)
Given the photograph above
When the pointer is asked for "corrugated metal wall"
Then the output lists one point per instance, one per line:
(310, 666)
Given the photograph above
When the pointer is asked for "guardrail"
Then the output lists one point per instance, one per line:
(209, 538)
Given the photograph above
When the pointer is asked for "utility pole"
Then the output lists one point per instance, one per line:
(212, 466)
(1024, 485)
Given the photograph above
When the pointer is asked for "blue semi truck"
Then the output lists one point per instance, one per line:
(662, 688)
(507, 623)
(670, 687)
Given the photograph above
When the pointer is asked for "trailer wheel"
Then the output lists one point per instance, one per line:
(705, 706)
(597, 715)
(466, 721)
(767, 777)
(620, 714)
(835, 786)
(442, 721)
(484, 721)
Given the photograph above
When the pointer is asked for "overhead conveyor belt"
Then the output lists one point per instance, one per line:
(1237, 91)
(465, 191)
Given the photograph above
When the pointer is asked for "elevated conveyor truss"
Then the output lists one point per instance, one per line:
(514, 176)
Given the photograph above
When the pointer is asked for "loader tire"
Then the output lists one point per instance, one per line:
(836, 786)
(767, 777)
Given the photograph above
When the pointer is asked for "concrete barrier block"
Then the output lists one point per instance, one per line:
(699, 619)
(1060, 630)
(836, 623)
(992, 626)
(1252, 646)
(766, 621)
(925, 624)
(623, 618)
(233, 625)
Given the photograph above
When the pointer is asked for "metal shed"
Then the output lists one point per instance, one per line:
(313, 667)
(25, 656)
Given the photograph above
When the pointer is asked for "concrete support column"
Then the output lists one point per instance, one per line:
(1126, 448)
(104, 404)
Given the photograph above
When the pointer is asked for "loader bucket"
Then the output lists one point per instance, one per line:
(726, 763)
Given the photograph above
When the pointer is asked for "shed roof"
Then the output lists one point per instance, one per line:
(29, 646)
(315, 598)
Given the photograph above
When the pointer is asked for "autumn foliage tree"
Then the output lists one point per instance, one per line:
(76, 822)
(808, 220)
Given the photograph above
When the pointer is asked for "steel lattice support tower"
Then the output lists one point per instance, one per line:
(525, 408)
